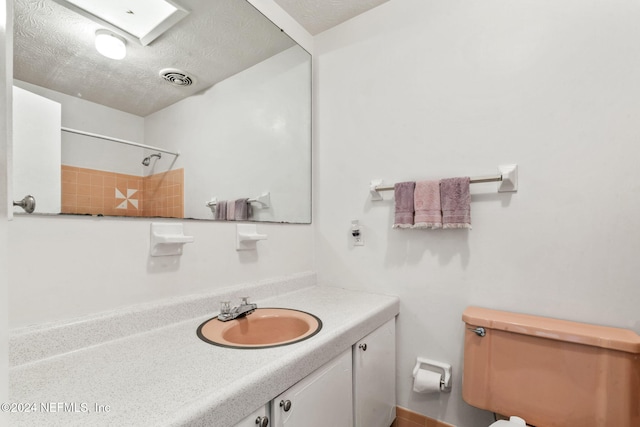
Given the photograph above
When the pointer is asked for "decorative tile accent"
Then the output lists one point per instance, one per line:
(95, 192)
(128, 198)
(407, 418)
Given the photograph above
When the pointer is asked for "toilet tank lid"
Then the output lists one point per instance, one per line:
(555, 329)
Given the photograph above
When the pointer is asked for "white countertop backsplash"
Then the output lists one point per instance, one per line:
(150, 367)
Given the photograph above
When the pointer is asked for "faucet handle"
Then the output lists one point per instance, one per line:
(225, 307)
(245, 300)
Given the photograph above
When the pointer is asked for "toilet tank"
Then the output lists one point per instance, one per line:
(552, 373)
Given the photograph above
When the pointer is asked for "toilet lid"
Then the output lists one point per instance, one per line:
(513, 422)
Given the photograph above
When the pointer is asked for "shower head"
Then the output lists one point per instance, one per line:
(147, 160)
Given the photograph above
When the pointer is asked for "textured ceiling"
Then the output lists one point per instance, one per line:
(54, 48)
(317, 16)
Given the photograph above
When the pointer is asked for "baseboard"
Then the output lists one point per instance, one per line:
(407, 418)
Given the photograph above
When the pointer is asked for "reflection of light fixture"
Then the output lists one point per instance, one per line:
(110, 45)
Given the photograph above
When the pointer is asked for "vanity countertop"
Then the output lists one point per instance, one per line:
(169, 377)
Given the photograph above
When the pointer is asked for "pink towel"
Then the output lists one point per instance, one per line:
(426, 199)
(456, 203)
(231, 210)
(403, 193)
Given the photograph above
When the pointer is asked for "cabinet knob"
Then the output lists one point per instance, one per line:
(28, 204)
(262, 421)
(286, 405)
(363, 347)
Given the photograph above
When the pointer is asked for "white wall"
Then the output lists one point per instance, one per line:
(420, 89)
(244, 136)
(79, 266)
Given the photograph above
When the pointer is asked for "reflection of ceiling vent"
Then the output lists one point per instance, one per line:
(176, 77)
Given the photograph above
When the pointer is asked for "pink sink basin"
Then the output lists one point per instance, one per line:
(265, 327)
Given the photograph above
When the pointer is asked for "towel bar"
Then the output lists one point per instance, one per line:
(264, 200)
(508, 180)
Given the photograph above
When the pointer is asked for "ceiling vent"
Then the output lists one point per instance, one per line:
(176, 77)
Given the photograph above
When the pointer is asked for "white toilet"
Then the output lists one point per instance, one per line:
(513, 422)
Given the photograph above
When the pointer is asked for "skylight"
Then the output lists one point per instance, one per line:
(142, 20)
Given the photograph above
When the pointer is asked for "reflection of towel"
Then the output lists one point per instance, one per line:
(231, 210)
(221, 210)
(426, 199)
(403, 193)
(242, 209)
(456, 203)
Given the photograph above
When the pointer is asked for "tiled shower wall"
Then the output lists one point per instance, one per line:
(95, 192)
(163, 194)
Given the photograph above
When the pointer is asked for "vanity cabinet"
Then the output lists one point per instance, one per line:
(322, 399)
(374, 382)
(355, 389)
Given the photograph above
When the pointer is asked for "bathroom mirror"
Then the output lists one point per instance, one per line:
(222, 99)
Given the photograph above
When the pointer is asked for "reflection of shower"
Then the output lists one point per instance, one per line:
(147, 160)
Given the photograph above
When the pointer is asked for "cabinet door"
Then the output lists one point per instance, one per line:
(258, 418)
(322, 399)
(374, 377)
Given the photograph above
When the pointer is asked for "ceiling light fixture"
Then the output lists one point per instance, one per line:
(110, 45)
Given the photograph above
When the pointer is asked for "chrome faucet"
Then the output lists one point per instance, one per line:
(244, 309)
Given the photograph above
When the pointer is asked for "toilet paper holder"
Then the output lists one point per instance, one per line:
(445, 378)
